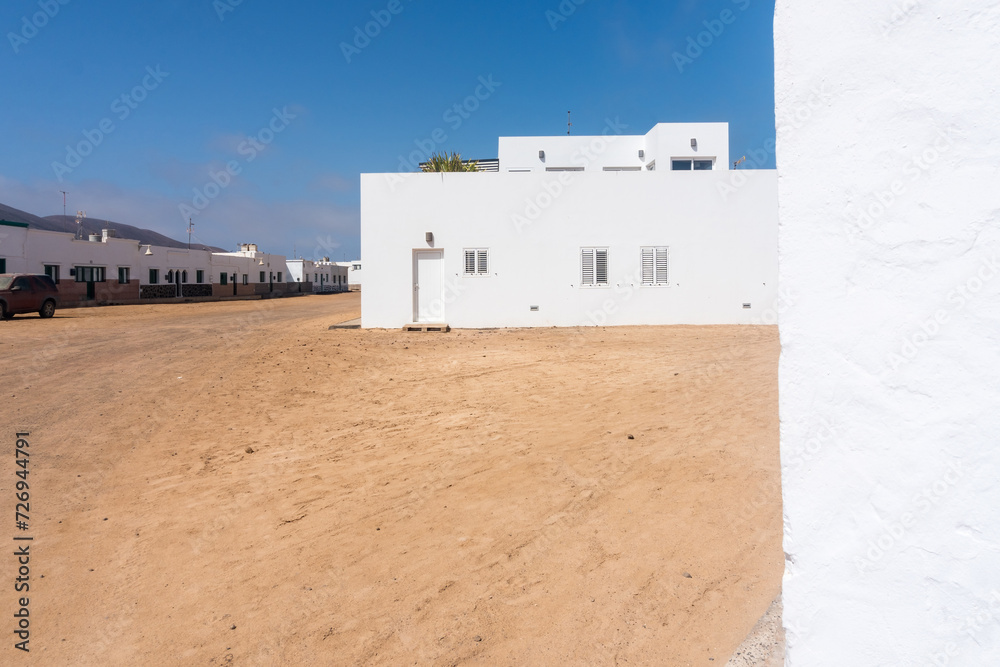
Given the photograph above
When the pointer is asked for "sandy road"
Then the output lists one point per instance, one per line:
(375, 497)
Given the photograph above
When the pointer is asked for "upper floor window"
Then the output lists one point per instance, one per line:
(594, 267)
(477, 261)
(692, 165)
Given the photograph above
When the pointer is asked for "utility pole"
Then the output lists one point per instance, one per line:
(64, 202)
(190, 227)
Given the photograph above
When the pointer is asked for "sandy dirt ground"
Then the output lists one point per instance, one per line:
(235, 483)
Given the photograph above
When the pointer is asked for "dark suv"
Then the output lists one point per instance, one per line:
(27, 293)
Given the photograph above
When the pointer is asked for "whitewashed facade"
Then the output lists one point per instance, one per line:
(605, 230)
(107, 269)
(888, 135)
(324, 275)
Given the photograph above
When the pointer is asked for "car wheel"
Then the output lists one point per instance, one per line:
(4, 315)
(48, 309)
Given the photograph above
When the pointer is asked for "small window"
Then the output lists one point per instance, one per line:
(52, 271)
(90, 274)
(356, 267)
(199, 276)
(154, 276)
(262, 278)
(477, 262)
(594, 267)
(246, 279)
(223, 278)
(655, 264)
(123, 275)
(280, 274)
(688, 165)
(3, 265)
(184, 276)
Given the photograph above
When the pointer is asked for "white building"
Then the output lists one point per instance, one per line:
(575, 231)
(353, 274)
(324, 275)
(107, 269)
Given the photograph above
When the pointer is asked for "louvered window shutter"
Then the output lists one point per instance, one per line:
(483, 266)
(601, 257)
(648, 276)
(661, 266)
(587, 261)
(470, 262)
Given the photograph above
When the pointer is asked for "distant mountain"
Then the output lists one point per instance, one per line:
(66, 223)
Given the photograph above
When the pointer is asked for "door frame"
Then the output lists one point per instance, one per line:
(416, 286)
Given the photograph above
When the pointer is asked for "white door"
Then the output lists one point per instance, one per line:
(428, 286)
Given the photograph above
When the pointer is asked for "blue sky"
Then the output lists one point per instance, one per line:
(256, 118)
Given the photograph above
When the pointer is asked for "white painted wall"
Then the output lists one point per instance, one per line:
(29, 250)
(13, 240)
(324, 276)
(888, 134)
(615, 148)
(720, 226)
(355, 273)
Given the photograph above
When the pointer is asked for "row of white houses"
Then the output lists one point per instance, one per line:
(108, 269)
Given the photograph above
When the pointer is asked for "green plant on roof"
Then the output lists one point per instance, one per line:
(447, 162)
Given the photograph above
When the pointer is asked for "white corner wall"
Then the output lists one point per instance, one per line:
(888, 152)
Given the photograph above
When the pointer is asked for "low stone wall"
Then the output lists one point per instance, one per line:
(196, 290)
(157, 292)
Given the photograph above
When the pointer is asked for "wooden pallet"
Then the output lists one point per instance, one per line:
(436, 328)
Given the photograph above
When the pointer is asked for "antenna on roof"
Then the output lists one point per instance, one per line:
(569, 122)
(80, 215)
(64, 202)
(190, 229)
